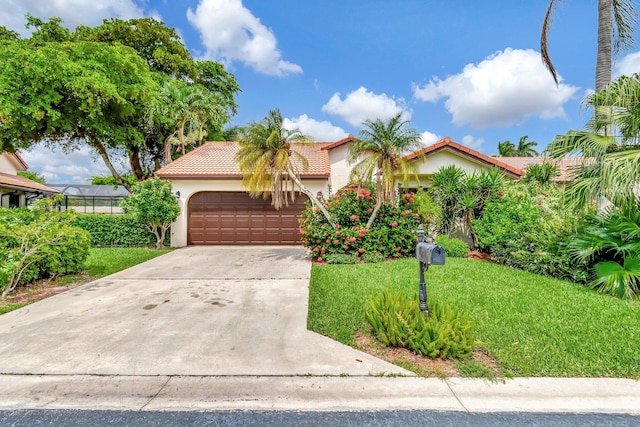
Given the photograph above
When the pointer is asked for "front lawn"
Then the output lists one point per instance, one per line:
(101, 262)
(532, 325)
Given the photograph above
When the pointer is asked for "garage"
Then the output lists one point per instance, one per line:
(231, 218)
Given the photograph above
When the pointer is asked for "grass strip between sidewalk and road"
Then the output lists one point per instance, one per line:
(532, 325)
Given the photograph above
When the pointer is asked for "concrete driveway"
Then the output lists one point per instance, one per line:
(209, 311)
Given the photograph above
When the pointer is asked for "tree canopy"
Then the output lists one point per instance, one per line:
(96, 86)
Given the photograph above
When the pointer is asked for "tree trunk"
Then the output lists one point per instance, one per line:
(134, 162)
(312, 197)
(605, 40)
(373, 214)
(107, 161)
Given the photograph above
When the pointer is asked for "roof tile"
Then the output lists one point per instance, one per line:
(217, 160)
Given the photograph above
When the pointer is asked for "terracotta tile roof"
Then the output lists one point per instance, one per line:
(330, 145)
(216, 160)
(447, 143)
(565, 164)
(19, 183)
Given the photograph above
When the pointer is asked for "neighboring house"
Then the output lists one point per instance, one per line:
(564, 165)
(16, 191)
(216, 209)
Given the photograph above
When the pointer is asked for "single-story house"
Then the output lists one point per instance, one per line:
(16, 191)
(216, 209)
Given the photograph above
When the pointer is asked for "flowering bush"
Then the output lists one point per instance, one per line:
(393, 233)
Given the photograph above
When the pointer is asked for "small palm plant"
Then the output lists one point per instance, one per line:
(612, 241)
(378, 157)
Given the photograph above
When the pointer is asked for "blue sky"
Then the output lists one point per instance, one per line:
(466, 69)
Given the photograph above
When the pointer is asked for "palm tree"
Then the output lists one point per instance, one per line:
(266, 161)
(378, 157)
(613, 167)
(506, 149)
(191, 109)
(616, 22)
(525, 149)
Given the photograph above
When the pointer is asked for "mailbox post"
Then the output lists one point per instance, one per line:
(427, 253)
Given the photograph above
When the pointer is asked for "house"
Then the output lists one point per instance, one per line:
(16, 191)
(565, 165)
(217, 210)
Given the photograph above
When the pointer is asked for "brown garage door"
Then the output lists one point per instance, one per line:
(237, 219)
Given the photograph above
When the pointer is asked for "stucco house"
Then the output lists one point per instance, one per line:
(217, 210)
(15, 191)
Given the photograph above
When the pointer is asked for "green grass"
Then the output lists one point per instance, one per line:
(101, 262)
(104, 261)
(533, 325)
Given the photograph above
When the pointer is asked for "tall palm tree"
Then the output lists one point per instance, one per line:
(610, 143)
(616, 22)
(506, 149)
(525, 149)
(266, 161)
(378, 157)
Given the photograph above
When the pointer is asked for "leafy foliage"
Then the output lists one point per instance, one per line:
(33, 176)
(393, 233)
(453, 247)
(36, 244)
(378, 158)
(397, 321)
(152, 202)
(527, 227)
(541, 173)
(116, 230)
(612, 240)
(463, 196)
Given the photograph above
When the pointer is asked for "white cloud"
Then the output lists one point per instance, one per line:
(471, 142)
(628, 65)
(429, 138)
(72, 12)
(503, 90)
(361, 105)
(318, 131)
(56, 167)
(230, 32)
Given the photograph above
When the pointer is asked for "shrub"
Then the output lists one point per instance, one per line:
(116, 230)
(453, 247)
(38, 244)
(397, 321)
(341, 259)
(393, 233)
(372, 258)
(527, 228)
(153, 203)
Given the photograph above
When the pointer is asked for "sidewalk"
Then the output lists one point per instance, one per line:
(311, 393)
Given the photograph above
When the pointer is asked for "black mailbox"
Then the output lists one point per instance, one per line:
(427, 253)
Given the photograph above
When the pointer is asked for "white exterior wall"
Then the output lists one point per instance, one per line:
(188, 188)
(340, 168)
(428, 167)
(6, 165)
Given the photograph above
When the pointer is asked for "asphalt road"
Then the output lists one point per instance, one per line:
(63, 418)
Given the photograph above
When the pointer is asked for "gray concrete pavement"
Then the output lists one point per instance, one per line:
(213, 328)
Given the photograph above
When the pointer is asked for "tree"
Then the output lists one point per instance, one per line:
(33, 176)
(525, 149)
(378, 157)
(463, 196)
(611, 169)
(616, 24)
(93, 87)
(191, 109)
(506, 149)
(266, 161)
(153, 203)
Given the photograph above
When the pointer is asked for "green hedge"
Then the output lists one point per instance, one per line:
(117, 230)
